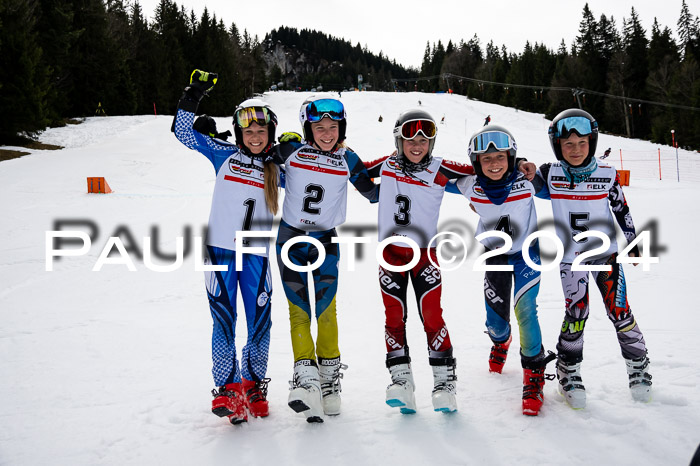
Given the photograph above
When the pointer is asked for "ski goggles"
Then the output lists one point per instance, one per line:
(319, 109)
(575, 124)
(249, 115)
(497, 139)
(411, 128)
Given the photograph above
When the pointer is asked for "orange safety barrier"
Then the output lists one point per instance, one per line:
(624, 177)
(97, 184)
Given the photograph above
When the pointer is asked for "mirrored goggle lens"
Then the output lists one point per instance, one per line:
(581, 125)
(497, 139)
(410, 129)
(246, 116)
(331, 108)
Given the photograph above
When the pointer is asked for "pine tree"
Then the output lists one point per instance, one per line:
(23, 83)
(663, 59)
(635, 45)
(172, 35)
(688, 32)
(589, 52)
(56, 36)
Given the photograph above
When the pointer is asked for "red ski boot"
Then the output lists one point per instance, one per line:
(228, 401)
(533, 397)
(533, 383)
(499, 352)
(255, 397)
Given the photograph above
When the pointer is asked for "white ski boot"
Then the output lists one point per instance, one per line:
(445, 387)
(570, 384)
(640, 379)
(305, 391)
(330, 375)
(400, 394)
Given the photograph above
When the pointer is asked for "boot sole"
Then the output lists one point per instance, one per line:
(566, 400)
(445, 410)
(221, 411)
(394, 403)
(298, 406)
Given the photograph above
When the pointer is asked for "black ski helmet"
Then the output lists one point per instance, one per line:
(271, 125)
(511, 150)
(306, 124)
(408, 115)
(560, 128)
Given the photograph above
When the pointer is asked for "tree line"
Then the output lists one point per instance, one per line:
(628, 65)
(63, 58)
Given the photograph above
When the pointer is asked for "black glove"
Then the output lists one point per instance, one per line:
(206, 125)
(201, 83)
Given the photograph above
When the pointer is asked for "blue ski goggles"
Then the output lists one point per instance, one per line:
(582, 126)
(497, 140)
(319, 109)
(249, 115)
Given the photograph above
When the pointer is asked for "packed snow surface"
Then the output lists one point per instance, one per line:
(113, 367)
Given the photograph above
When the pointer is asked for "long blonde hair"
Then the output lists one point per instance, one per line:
(271, 174)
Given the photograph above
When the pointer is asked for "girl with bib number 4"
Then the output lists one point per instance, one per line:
(503, 199)
(245, 198)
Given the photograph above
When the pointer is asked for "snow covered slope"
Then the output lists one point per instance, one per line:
(113, 367)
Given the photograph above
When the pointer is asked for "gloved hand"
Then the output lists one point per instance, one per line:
(206, 125)
(289, 136)
(201, 83)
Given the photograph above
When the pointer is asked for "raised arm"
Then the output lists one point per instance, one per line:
(215, 150)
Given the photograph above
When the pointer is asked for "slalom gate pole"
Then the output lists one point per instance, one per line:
(659, 163)
(678, 173)
(154, 109)
(622, 167)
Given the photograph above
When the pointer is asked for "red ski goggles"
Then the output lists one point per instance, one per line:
(411, 128)
(249, 115)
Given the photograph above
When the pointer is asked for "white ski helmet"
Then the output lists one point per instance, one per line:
(492, 138)
(264, 114)
(319, 106)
